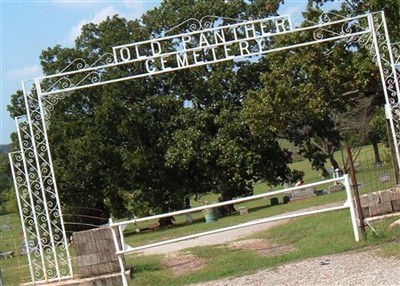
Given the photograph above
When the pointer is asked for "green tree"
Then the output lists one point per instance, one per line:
(303, 90)
(371, 113)
(311, 94)
(133, 146)
(8, 202)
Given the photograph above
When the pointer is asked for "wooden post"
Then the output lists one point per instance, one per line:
(355, 189)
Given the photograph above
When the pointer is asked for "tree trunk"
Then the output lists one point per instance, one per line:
(324, 174)
(227, 209)
(166, 221)
(377, 157)
(334, 163)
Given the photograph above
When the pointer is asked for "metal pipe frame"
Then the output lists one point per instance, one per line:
(24, 200)
(34, 177)
(46, 241)
(349, 204)
(387, 59)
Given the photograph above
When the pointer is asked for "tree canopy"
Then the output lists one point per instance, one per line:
(144, 146)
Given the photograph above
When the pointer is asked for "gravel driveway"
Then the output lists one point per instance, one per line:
(356, 268)
(353, 268)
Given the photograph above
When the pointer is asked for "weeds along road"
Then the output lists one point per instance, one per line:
(222, 237)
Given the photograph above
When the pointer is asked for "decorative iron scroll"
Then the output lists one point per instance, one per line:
(387, 56)
(32, 166)
(206, 43)
(75, 75)
(206, 22)
(45, 239)
(334, 26)
(79, 74)
(26, 208)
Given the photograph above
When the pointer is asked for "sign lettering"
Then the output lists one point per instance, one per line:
(203, 47)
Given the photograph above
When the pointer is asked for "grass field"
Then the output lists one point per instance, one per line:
(309, 237)
(13, 269)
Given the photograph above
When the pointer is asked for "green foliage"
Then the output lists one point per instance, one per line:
(8, 202)
(133, 147)
(5, 148)
(318, 96)
(378, 125)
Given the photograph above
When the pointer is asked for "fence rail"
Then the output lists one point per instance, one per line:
(122, 248)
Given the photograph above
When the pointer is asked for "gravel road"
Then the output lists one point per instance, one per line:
(212, 239)
(353, 268)
(356, 268)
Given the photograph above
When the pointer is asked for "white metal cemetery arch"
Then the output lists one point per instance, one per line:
(207, 43)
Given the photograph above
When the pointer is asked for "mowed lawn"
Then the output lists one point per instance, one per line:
(305, 237)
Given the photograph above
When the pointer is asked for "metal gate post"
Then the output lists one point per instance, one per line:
(383, 54)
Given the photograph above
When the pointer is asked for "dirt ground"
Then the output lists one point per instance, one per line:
(182, 263)
(370, 266)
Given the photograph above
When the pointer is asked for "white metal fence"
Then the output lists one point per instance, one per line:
(123, 248)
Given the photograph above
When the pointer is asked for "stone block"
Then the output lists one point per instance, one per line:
(380, 209)
(369, 199)
(104, 268)
(114, 258)
(77, 238)
(96, 252)
(85, 238)
(101, 234)
(92, 259)
(83, 261)
(384, 196)
(80, 248)
(107, 256)
(101, 245)
(89, 248)
(95, 269)
(114, 266)
(396, 205)
(107, 233)
(85, 271)
(104, 256)
(303, 193)
(395, 195)
(243, 211)
(109, 244)
(335, 188)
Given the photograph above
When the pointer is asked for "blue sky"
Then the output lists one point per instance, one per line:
(28, 27)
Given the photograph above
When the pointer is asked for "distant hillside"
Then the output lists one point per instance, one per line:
(5, 148)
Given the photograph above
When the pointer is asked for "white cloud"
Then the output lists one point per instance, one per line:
(293, 10)
(133, 4)
(131, 10)
(103, 14)
(25, 73)
(96, 19)
(135, 9)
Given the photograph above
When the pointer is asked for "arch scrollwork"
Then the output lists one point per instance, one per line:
(33, 171)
